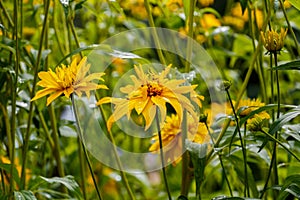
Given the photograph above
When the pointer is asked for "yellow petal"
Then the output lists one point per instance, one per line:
(149, 113)
(52, 97)
(43, 93)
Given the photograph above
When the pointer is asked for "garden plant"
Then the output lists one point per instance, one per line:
(149, 99)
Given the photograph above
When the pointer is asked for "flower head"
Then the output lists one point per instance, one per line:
(256, 123)
(272, 40)
(67, 80)
(172, 137)
(246, 106)
(149, 93)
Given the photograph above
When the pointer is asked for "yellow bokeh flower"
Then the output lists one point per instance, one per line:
(172, 137)
(206, 3)
(209, 20)
(67, 80)
(150, 92)
(272, 40)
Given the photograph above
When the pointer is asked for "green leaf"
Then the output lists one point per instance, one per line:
(295, 3)
(67, 181)
(291, 186)
(293, 65)
(24, 195)
(283, 120)
(7, 167)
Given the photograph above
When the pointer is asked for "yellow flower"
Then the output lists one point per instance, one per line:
(151, 92)
(67, 80)
(245, 107)
(272, 40)
(172, 137)
(256, 123)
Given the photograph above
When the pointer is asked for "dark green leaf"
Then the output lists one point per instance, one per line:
(294, 65)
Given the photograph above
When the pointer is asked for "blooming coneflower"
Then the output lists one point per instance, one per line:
(272, 40)
(67, 80)
(172, 137)
(150, 92)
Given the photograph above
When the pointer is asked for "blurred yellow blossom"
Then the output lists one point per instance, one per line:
(150, 92)
(206, 3)
(172, 137)
(209, 20)
(67, 80)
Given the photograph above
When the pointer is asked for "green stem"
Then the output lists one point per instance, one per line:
(186, 172)
(14, 98)
(162, 157)
(280, 143)
(221, 161)
(119, 163)
(37, 64)
(245, 133)
(57, 37)
(289, 26)
(154, 33)
(82, 168)
(241, 140)
(190, 34)
(56, 142)
(11, 23)
(80, 135)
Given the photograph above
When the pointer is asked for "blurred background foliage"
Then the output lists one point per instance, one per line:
(35, 37)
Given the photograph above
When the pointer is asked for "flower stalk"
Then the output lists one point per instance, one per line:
(80, 135)
(162, 156)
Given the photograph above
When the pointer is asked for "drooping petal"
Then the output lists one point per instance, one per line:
(149, 114)
(43, 93)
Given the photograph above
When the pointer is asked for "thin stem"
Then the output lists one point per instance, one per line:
(14, 98)
(245, 133)
(280, 143)
(224, 173)
(80, 135)
(241, 140)
(11, 23)
(119, 163)
(186, 171)
(162, 157)
(37, 64)
(190, 34)
(289, 26)
(56, 142)
(82, 168)
(154, 33)
(221, 161)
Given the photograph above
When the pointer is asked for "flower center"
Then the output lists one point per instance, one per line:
(153, 89)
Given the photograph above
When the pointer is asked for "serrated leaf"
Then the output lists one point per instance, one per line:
(295, 3)
(24, 195)
(293, 65)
